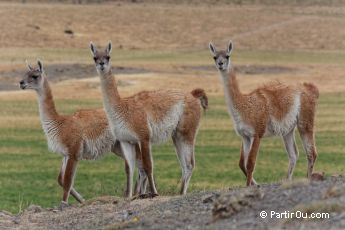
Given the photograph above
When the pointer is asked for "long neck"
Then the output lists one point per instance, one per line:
(111, 97)
(46, 103)
(231, 89)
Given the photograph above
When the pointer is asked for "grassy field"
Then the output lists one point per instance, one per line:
(174, 52)
(28, 171)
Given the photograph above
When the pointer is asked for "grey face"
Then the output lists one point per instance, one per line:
(33, 78)
(101, 58)
(222, 57)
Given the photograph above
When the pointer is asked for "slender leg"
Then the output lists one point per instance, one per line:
(73, 192)
(147, 163)
(129, 155)
(140, 184)
(127, 170)
(68, 178)
(247, 144)
(185, 154)
(242, 163)
(292, 151)
(308, 140)
(116, 148)
(250, 165)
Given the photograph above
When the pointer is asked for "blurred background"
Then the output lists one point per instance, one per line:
(161, 45)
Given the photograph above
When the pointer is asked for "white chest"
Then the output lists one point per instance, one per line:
(119, 128)
(51, 131)
(241, 127)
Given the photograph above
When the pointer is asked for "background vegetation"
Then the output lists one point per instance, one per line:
(167, 45)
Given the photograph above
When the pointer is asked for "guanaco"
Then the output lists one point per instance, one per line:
(275, 109)
(151, 117)
(84, 135)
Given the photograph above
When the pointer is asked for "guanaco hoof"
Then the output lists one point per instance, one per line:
(63, 205)
(148, 195)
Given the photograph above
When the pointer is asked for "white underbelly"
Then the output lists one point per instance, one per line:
(163, 130)
(287, 124)
(280, 128)
(92, 149)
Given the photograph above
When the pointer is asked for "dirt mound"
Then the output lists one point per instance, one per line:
(238, 208)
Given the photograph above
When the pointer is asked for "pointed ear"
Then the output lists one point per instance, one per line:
(212, 49)
(108, 48)
(28, 65)
(230, 46)
(93, 49)
(40, 66)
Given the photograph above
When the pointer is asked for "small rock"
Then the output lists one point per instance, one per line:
(5, 213)
(35, 208)
(229, 204)
(167, 212)
(210, 198)
(68, 31)
(16, 220)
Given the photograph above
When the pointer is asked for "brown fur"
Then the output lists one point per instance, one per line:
(137, 114)
(275, 99)
(71, 131)
(136, 109)
(200, 93)
(273, 109)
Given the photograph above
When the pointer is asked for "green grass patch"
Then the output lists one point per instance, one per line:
(28, 172)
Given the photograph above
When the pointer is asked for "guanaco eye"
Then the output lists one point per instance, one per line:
(35, 77)
(108, 58)
(95, 59)
(215, 58)
(227, 56)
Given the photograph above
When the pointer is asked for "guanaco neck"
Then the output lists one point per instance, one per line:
(232, 91)
(46, 103)
(111, 97)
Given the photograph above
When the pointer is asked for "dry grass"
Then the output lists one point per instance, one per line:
(166, 27)
(166, 40)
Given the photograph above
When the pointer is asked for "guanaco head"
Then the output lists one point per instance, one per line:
(221, 57)
(101, 58)
(33, 78)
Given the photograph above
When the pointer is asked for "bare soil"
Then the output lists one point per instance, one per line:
(237, 208)
(60, 72)
(247, 69)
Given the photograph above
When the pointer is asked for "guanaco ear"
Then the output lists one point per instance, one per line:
(93, 49)
(28, 65)
(40, 66)
(212, 49)
(108, 48)
(230, 46)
